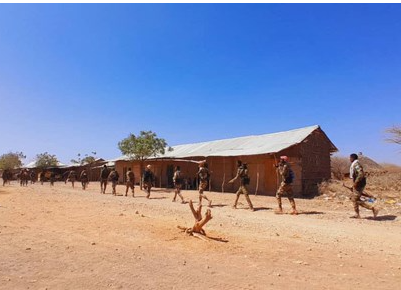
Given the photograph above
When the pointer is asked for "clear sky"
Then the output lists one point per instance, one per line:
(79, 78)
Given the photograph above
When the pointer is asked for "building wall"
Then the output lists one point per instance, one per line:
(315, 154)
(309, 160)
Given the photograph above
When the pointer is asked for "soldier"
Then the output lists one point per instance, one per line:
(113, 178)
(5, 175)
(287, 177)
(84, 179)
(24, 177)
(72, 176)
(148, 179)
(359, 182)
(203, 178)
(242, 174)
(33, 177)
(52, 178)
(65, 176)
(130, 182)
(42, 177)
(104, 174)
(178, 181)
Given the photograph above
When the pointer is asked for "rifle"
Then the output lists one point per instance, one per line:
(363, 193)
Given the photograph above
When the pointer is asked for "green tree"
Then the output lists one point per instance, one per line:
(143, 146)
(88, 159)
(11, 160)
(45, 160)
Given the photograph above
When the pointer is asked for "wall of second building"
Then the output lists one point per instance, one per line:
(315, 152)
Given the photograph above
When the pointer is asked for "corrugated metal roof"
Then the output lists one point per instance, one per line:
(242, 146)
(33, 165)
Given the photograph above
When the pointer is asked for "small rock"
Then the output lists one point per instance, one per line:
(93, 243)
(142, 215)
(121, 214)
(137, 212)
(360, 266)
(298, 262)
(28, 249)
(278, 275)
(309, 249)
(277, 235)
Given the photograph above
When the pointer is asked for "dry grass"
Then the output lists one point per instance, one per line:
(385, 187)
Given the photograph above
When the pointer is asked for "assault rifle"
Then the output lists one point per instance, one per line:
(363, 193)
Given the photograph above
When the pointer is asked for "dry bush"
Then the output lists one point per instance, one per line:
(386, 185)
(391, 168)
(339, 166)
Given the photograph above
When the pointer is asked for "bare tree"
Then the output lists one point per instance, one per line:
(394, 135)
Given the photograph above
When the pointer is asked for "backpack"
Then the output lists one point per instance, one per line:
(147, 176)
(104, 173)
(291, 176)
(178, 177)
(244, 176)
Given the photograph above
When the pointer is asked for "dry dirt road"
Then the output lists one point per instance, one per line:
(65, 238)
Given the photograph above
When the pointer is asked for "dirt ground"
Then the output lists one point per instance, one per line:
(64, 238)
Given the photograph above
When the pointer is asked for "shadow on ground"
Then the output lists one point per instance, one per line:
(382, 218)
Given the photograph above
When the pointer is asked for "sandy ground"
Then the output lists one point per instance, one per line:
(65, 238)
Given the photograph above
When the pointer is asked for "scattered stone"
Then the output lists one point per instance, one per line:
(28, 249)
(277, 234)
(137, 212)
(278, 275)
(360, 266)
(93, 243)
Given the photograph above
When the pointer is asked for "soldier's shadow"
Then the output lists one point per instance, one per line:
(382, 218)
(219, 205)
(311, 212)
(262, 208)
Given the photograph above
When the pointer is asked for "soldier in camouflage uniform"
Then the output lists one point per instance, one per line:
(84, 179)
(285, 172)
(358, 176)
(130, 182)
(72, 176)
(242, 174)
(148, 179)
(113, 178)
(104, 175)
(178, 181)
(203, 178)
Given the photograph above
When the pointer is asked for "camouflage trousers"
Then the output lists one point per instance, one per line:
(356, 200)
(285, 189)
(147, 185)
(177, 191)
(202, 186)
(243, 190)
(113, 186)
(103, 185)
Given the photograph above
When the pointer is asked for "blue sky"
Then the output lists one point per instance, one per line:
(79, 78)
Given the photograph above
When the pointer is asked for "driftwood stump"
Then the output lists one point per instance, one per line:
(197, 229)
